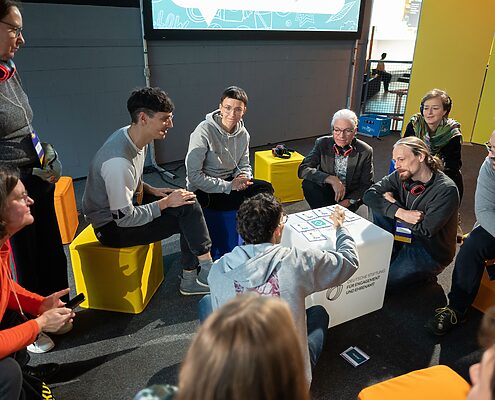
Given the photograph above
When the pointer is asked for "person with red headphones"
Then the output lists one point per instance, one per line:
(417, 203)
(441, 134)
(41, 264)
(339, 168)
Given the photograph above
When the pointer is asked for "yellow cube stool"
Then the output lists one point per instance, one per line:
(486, 293)
(281, 173)
(65, 209)
(115, 279)
(434, 383)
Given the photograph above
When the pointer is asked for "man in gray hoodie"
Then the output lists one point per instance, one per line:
(478, 247)
(217, 161)
(263, 266)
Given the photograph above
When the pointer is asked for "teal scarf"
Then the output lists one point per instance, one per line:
(446, 130)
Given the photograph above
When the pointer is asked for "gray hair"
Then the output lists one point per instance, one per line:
(346, 114)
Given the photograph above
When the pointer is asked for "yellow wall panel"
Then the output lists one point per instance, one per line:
(452, 49)
(485, 120)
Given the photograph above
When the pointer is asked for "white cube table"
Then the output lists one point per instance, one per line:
(365, 290)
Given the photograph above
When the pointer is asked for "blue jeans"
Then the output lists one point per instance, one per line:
(317, 321)
(469, 266)
(410, 262)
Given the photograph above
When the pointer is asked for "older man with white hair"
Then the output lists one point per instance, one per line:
(339, 168)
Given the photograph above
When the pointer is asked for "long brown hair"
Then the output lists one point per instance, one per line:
(246, 350)
(9, 177)
(417, 146)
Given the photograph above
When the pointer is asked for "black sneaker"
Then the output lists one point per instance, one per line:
(445, 319)
(43, 372)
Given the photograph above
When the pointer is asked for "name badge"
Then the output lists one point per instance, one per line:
(37, 146)
(402, 233)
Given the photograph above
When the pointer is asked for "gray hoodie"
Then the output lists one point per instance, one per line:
(484, 198)
(215, 156)
(288, 273)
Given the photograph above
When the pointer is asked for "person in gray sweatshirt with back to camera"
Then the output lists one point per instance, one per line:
(477, 247)
(263, 266)
(217, 161)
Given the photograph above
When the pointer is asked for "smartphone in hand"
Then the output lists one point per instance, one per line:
(74, 302)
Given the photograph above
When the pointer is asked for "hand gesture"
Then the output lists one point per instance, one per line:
(241, 182)
(337, 217)
(177, 198)
(389, 196)
(52, 320)
(160, 192)
(338, 187)
(53, 301)
(410, 216)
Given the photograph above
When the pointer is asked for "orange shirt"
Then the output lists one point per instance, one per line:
(18, 337)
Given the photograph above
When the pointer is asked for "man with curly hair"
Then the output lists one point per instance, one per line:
(265, 267)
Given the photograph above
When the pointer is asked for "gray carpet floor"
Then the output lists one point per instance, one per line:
(113, 355)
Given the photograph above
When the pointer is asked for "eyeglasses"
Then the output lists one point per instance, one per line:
(235, 110)
(346, 131)
(284, 219)
(25, 197)
(17, 30)
(168, 119)
(489, 147)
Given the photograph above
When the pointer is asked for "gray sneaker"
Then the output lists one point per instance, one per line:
(189, 286)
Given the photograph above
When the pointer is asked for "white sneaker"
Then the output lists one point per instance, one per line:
(67, 327)
(42, 344)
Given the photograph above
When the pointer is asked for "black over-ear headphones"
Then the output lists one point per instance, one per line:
(281, 151)
(343, 151)
(447, 106)
(7, 70)
(416, 187)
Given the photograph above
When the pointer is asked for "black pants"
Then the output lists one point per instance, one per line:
(234, 199)
(319, 196)
(456, 176)
(188, 220)
(37, 248)
(10, 366)
(385, 78)
(468, 269)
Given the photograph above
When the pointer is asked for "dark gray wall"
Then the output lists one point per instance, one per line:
(80, 62)
(77, 67)
(293, 87)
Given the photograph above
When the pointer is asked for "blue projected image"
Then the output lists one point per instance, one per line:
(257, 15)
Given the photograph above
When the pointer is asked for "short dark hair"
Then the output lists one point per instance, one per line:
(235, 92)
(9, 176)
(258, 217)
(6, 5)
(384, 55)
(149, 100)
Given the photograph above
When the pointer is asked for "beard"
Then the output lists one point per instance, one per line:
(404, 175)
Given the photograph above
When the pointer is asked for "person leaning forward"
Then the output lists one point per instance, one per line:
(115, 184)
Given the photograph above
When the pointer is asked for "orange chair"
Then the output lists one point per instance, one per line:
(65, 209)
(486, 293)
(434, 383)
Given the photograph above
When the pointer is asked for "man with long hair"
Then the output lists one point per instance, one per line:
(417, 203)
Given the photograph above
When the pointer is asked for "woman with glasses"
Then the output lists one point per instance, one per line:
(217, 161)
(40, 261)
(339, 168)
(16, 331)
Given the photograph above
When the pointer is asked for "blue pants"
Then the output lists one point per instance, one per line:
(468, 269)
(317, 321)
(410, 262)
